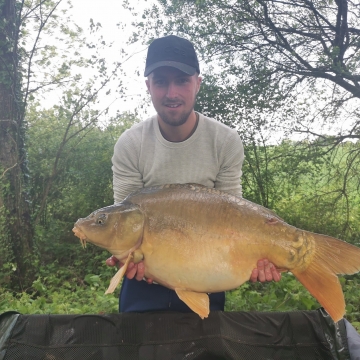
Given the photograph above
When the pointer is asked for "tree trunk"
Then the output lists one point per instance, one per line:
(16, 231)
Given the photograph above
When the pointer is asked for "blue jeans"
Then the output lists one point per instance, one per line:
(139, 296)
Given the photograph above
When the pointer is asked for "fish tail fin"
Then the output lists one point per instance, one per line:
(324, 285)
(332, 257)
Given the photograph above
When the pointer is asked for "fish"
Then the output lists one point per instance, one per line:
(198, 240)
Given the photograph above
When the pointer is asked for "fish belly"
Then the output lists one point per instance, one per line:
(203, 264)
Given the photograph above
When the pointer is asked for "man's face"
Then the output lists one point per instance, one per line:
(173, 94)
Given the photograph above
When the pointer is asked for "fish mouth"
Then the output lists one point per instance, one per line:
(81, 236)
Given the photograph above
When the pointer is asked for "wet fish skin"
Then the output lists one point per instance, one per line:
(197, 240)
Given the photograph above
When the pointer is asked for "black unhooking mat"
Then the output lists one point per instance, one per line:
(171, 336)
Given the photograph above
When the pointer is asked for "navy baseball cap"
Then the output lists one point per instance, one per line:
(172, 51)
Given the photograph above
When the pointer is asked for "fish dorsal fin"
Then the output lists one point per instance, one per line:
(197, 302)
(115, 281)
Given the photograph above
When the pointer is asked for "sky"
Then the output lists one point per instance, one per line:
(109, 13)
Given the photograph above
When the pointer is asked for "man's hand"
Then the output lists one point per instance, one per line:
(136, 271)
(265, 271)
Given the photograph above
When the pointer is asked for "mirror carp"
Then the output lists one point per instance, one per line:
(197, 240)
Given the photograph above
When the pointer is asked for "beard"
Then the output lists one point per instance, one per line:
(178, 120)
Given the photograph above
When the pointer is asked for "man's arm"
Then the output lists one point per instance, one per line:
(126, 175)
(231, 158)
(126, 179)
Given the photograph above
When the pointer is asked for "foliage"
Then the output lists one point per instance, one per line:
(290, 295)
(83, 185)
(42, 51)
(66, 290)
(294, 49)
(70, 280)
(312, 184)
(321, 198)
(16, 236)
(57, 56)
(69, 300)
(81, 173)
(272, 69)
(254, 86)
(70, 289)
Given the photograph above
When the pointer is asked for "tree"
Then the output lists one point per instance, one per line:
(80, 174)
(16, 230)
(81, 181)
(275, 66)
(31, 64)
(307, 50)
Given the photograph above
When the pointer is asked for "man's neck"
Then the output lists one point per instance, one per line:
(179, 133)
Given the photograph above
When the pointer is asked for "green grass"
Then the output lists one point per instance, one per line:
(64, 292)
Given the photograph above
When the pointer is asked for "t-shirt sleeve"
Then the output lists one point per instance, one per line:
(231, 160)
(125, 166)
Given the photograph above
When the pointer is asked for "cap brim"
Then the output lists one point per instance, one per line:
(187, 69)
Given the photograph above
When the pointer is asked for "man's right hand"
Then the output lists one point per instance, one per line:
(136, 271)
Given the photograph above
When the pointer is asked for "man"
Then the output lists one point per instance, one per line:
(177, 145)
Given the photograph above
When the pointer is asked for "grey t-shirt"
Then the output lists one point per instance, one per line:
(211, 156)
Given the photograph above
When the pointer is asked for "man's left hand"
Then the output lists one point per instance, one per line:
(265, 271)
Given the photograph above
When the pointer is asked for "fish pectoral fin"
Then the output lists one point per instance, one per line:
(197, 302)
(115, 281)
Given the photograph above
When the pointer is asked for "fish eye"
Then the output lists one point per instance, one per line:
(101, 219)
